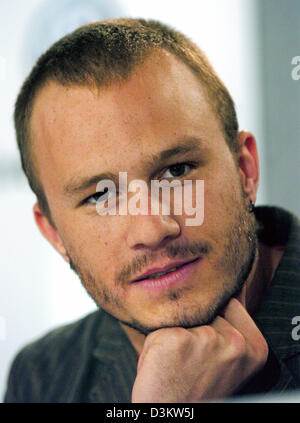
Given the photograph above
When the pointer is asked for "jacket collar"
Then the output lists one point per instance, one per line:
(112, 341)
(115, 372)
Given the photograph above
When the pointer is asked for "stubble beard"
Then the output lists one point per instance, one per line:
(236, 262)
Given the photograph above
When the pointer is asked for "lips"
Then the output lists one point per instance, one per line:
(156, 273)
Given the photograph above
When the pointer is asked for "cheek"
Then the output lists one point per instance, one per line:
(96, 241)
(222, 199)
(85, 235)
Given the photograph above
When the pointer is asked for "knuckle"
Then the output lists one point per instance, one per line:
(238, 344)
(178, 336)
(260, 351)
(208, 334)
(154, 338)
(170, 337)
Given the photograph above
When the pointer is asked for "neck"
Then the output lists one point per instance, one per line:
(262, 272)
(265, 264)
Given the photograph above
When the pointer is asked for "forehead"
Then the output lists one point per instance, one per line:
(78, 128)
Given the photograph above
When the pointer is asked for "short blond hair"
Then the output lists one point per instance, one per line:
(103, 52)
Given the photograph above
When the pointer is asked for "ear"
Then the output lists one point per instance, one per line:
(49, 231)
(248, 164)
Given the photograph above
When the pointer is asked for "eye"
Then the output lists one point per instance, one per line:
(98, 197)
(177, 170)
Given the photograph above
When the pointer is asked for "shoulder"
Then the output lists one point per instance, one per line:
(55, 342)
(53, 357)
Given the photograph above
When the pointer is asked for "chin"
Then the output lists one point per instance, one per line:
(185, 318)
(183, 315)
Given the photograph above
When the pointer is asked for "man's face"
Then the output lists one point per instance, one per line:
(82, 132)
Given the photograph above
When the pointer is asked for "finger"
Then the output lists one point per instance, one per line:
(228, 332)
(237, 316)
(218, 330)
(221, 325)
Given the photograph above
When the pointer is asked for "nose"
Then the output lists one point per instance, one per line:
(150, 231)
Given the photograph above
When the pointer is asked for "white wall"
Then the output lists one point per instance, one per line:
(282, 101)
(38, 290)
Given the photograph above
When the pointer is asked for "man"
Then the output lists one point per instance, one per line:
(186, 312)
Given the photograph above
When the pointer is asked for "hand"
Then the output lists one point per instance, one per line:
(206, 362)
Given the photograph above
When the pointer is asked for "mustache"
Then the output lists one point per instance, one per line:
(131, 270)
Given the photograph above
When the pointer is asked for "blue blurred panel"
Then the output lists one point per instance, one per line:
(55, 18)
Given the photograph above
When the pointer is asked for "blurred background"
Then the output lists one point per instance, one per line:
(253, 44)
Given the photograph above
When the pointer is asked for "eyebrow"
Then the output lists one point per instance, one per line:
(78, 185)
